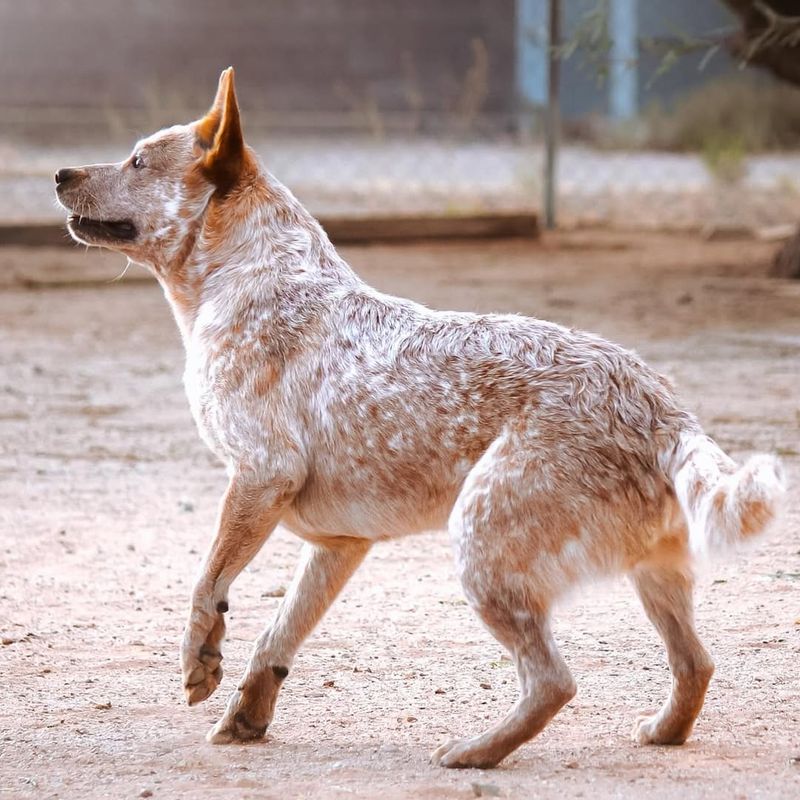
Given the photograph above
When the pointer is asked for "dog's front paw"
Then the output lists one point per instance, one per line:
(653, 729)
(201, 675)
(237, 725)
(200, 655)
(464, 754)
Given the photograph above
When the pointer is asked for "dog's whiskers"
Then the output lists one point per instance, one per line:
(122, 274)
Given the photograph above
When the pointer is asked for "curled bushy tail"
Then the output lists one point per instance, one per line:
(723, 504)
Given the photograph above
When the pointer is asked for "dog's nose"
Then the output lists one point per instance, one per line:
(67, 173)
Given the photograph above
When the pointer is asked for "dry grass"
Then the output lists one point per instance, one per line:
(740, 113)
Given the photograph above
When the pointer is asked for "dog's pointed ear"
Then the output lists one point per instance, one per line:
(219, 134)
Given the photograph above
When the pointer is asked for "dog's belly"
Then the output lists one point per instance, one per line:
(381, 503)
(358, 520)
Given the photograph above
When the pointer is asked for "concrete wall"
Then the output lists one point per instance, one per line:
(305, 63)
(313, 57)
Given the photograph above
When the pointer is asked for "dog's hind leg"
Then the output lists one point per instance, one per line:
(248, 515)
(666, 594)
(320, 576)
(502, 536)
(546, 685)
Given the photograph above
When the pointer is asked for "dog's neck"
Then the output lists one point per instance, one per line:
(247, 248)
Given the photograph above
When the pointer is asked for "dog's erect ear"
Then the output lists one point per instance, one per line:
(219, 133)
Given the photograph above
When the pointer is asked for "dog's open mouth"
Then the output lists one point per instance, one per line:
(108, 230)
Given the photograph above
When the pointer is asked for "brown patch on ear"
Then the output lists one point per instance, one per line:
(219, 133)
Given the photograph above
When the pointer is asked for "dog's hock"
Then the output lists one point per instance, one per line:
(219, 133)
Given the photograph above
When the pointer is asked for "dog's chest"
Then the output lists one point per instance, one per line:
(204, 403)
(218, 386)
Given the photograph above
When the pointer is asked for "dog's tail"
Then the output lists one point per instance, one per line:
(723, 504)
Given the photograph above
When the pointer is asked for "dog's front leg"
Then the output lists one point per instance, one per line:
(249, 513)
(322, 572)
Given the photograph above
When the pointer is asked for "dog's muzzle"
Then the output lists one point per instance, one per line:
(102, 229)
(68, 174)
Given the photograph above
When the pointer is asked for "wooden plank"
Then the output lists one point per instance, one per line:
(34, 234)
(342, 230)
(354, 230)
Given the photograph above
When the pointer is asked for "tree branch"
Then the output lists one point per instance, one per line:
(769, 38)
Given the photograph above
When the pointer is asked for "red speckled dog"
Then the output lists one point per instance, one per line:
(350, 417)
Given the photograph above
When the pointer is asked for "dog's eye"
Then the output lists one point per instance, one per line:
(138, 162)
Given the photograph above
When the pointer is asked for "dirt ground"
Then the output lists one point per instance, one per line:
(108, 498)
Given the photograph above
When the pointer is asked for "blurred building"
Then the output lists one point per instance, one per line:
(414, 65)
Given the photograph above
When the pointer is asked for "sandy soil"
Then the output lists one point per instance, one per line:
(107, 499)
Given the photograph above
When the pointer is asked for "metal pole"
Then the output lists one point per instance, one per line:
(531, 62)
(623, 88)
(552, 121)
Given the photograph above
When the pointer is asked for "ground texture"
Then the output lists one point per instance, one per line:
(108, 498)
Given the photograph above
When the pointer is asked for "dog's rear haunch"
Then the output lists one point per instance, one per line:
(349, 416)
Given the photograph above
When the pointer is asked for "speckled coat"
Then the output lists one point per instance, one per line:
(350, 416)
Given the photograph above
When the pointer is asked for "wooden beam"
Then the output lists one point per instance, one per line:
(342, 230)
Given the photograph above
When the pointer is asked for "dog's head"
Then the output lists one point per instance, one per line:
(145, 206)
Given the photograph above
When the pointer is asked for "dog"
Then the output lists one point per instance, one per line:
(551, 455)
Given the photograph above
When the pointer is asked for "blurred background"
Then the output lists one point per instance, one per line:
(637, 164)
(441, 106)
